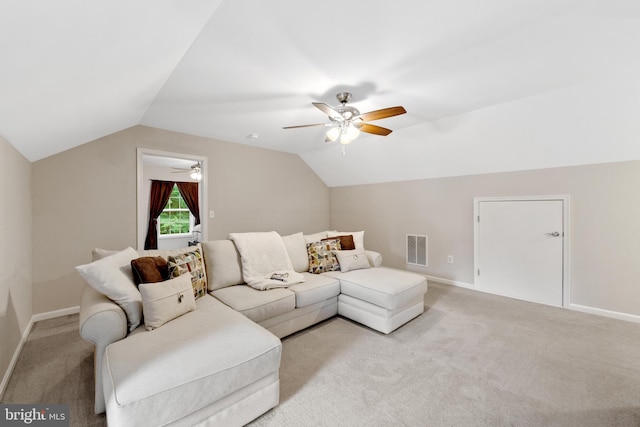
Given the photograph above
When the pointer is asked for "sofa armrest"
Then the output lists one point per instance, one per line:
(375, 258)
(102, 322)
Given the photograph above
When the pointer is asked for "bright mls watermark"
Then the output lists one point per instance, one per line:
(34, 415)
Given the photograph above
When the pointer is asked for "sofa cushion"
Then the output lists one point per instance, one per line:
(297, 250)
(315, 288)
(147, 374)
(352, 260)
(191, 264)
(315, 237)
(257, 305)
(149, 269)
(265, 261)
(165, 301)
(222, 263)
(165, 253)
(112, 276)
(99, 253)
(384, 287)
(321, 257)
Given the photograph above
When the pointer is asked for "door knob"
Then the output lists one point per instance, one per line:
(554, 234)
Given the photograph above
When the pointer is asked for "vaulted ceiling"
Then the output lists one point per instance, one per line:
(488, 86)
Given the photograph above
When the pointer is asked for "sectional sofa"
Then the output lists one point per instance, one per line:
(165, 357)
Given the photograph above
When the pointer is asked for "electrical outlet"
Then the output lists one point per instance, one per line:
(450, 259)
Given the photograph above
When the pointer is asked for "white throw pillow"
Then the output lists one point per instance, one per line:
(99, 253)
(316, 237)
(165, 301)
(358, 237)
(297, 250)
(112, 276)
(355, 259)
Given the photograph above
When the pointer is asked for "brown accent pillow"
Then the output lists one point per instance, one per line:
(346, 242)
(149, 269)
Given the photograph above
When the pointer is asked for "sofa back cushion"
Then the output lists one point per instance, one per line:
(166, 253)
(297, 251)
(222, 263)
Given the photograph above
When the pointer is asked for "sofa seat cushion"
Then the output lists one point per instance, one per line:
(315, 288)
(257, 305)
(384, 287)
(187, 360)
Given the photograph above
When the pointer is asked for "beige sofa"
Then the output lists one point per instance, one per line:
(219, 363)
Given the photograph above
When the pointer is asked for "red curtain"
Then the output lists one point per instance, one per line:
(158, 198)
(189, 193)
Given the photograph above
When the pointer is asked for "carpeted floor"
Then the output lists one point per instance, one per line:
(56, 366)
(471, 359)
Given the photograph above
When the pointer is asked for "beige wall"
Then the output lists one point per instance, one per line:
(86, 197)
(15, 250)
(605, 224)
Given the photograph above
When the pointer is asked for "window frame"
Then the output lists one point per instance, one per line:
(167, 209)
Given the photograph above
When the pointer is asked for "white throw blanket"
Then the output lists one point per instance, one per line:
(265, 261)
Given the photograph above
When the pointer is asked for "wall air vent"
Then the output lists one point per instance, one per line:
(417, 250)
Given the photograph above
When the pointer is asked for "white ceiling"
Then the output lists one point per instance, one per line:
(489, 85)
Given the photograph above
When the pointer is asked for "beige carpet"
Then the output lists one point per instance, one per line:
(56, 366)
(471, 359)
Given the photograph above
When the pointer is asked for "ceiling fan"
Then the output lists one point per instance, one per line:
(347, 122)
(195, 170)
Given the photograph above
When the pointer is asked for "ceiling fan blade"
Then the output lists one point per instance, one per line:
(304, 126)
(328, 110)
(376, 130)
(381, 114)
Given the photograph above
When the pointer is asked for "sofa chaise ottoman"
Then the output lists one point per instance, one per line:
(212, 364)
(381, 298)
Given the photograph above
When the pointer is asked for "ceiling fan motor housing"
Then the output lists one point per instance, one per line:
(343, 97)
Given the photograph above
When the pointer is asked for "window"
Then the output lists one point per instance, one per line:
(175, 219)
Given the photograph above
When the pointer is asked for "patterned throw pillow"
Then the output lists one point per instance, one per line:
(321, 256)
(190, 262)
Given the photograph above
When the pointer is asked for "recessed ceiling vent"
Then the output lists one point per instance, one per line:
(417, 250)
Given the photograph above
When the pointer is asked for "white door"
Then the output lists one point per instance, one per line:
(519, 249)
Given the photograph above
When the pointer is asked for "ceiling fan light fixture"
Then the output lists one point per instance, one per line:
(333, 134)
(196, 172)
(352, 131)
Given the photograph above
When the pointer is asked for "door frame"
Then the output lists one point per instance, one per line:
(566, 246)
(142, 206)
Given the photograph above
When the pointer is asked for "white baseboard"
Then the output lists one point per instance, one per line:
(56, 313)
(16, 354)
(606, 313)
(14, 359)
(577, 307)
(451, 282)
